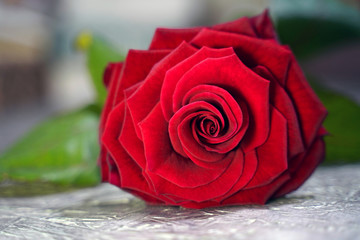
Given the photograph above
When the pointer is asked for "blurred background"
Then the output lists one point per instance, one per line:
(42, 74)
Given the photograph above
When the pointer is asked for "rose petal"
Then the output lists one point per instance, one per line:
(322, 132)
(281, 101)
(242, 83)
(310, 110)
(166, 38)
(238, 118)
(191, 145)
(109, 70)
(272, 155)
(311, 160)
(239, 26)
(136, 67)
(174, 74)
(163, 161)
(210, 160)
(249, 170)
(179, 117)
(251, 51)
(206, 192)
(112, 129)
(259, 195)
(104, 168)
(131, 177)
(112, 73)
(114, 174)
(148, 94)
(130, 142)
(263, 25)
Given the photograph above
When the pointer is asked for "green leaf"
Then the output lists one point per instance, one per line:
(62, 151)
(342, 122)
(311, 26)
(307, 36)
(99, 54)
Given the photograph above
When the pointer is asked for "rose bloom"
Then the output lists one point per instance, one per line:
(210, 116)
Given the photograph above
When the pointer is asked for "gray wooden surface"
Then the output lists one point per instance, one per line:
(326, 207)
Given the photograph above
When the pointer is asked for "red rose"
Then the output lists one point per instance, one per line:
(210, 116)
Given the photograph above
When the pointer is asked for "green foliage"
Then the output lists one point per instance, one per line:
(307, 36)
(60, 153)
(62, 150)
(342, 122)
(99, 54)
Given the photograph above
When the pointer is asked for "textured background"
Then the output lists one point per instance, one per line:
(326, 207)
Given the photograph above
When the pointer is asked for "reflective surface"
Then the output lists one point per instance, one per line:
(326, 207)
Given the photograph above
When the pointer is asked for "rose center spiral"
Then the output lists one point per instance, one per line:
(208, 126)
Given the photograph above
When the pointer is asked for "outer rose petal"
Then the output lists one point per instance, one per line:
(263, 25)
(241, 26)
(257, 195)
(108, 73)
(104, 167)
(148, 94)
(130, 142)
(165, 38)
(111, 129)
(130, 175)
(136, 67)
(258, 26)
(114, 174)
(282, 102)
(251, 51)
(123, 75)
(310, 110)
(111, 73)
(312, 159)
